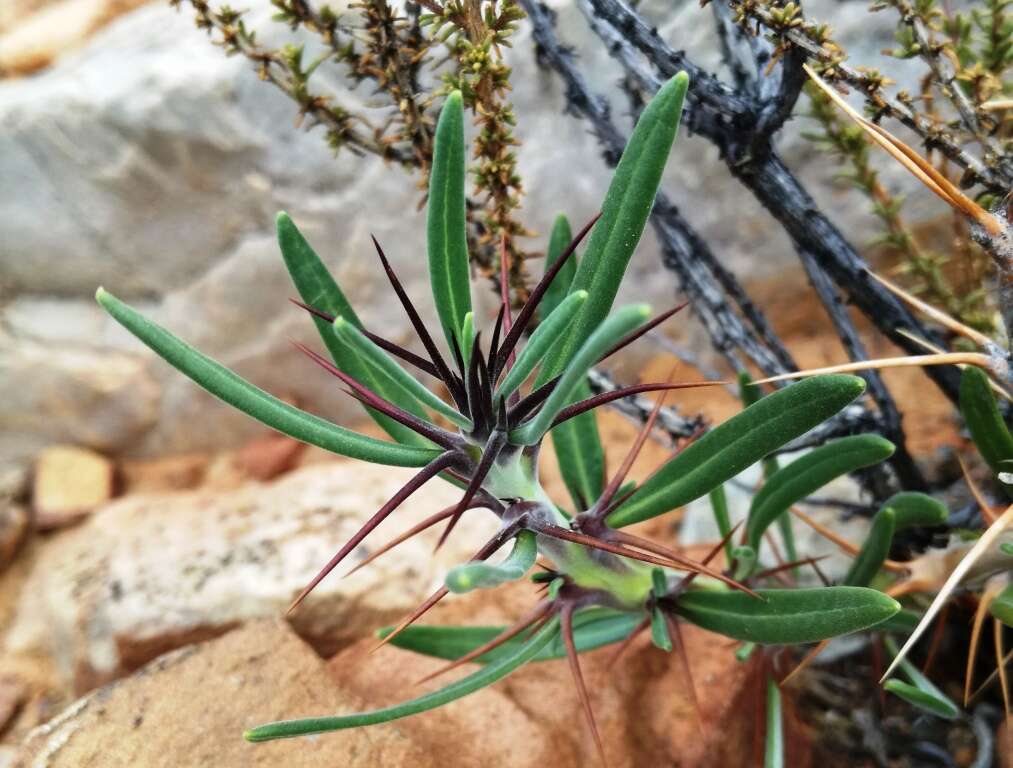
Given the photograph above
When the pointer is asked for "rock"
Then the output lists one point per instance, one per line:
(69, 483)
(641, 702)
(55, 392)
(147, 574)
(12, 695)
(14, 526)
(151, 117)
(191, 706)
(262, 672)
(15, 520)
(267, 457)
(172, 473)
(33, 42)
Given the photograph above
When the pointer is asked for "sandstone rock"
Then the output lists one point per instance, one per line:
(14, 526)
(267, 457)
(642, 704)
(12, 695)
(69, 483)
(172, 473)
(33, 42)
(151, 573)
(191, 706)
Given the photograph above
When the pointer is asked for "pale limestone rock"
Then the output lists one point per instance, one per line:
(151, 573)
(68, 483)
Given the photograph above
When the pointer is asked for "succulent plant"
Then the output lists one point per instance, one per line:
(602, 584)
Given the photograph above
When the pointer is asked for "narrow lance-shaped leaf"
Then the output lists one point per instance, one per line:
(787, 616)
(912, 694)
(446, 236)
(750, 393)
(592, 628)
(411, 388)
(874, 551)
(1001, 606)
(659, 630)
(560, 237)
(481, 575)
(914, 509)
(985, 423)
(900, 511)
(623, 321)
(476, 681)
(921, 692)
(625, 209)
(743, 440)
(719, 506)
(319, 290)
(467, 337)
(255, 402)
(580, 453)
(660, 634)
(809, 473)
(773, 751)
(548, 331)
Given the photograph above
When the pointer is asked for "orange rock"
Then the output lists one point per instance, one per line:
(190, 707)
(69, 483)
(174, 473)
(642, 703)
(267, 457)
(14, 525)
(32, 42)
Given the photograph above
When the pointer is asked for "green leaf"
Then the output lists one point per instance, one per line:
(659, 582)
(900, 511)
(751, 393)
(395, 378)
(625, 209)
(311, 278)
(741, 441)
(484, 677)
(560, 237)
(481, 575)
(809, 473)
(659, 630)
(941, 707)
(318, 289)
(467, 338)
(773, 752)
(548, 331)
(592, 628)
(580, 453)
(446, 236)
(255, 402)
(606, 335)
(787, 616)
(1002, 606)
(981, 414)
(904, 621)
(913, 509)
(719, 506)
(922, 693)
(874, 551)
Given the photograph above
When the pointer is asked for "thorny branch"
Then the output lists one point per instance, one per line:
(721, 119)
(711, 288)
(815, 41)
